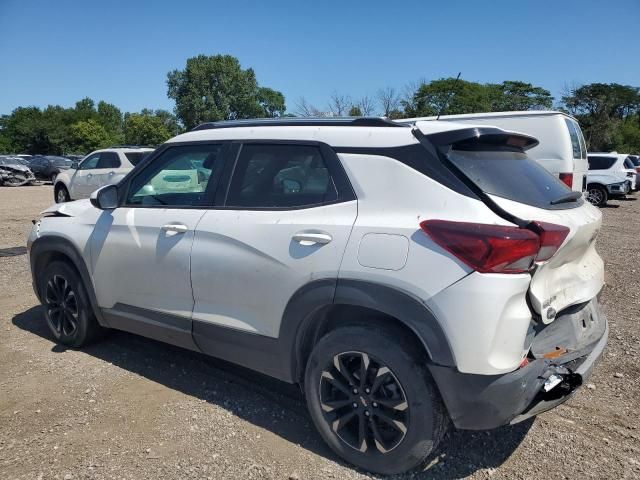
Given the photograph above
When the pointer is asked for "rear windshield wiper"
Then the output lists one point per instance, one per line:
(569, 197)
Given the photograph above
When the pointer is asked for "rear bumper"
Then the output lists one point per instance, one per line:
(482, 402)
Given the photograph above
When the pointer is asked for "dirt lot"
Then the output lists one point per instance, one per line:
(134, 408)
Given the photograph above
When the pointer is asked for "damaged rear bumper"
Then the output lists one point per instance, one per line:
(563, 355)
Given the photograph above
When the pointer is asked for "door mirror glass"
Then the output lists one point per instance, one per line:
(74, 165)
(105, 198)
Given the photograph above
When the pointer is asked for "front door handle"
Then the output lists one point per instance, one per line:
(175, 227)
(89, 175)
(311, 238)
(112, 173)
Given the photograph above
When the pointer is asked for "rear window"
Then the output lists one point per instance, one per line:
(629, 164)
(511, 175)
(135, 157)
(601, 163)
(577, 140)
(635, 160)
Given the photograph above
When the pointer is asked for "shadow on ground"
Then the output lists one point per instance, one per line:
(269, 403)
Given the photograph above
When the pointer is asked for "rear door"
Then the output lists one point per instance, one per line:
(283, 223)
(579, 154)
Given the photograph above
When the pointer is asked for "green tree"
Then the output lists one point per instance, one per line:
(355, 111)
(449, 97)
(144, 129)
(514, 96)
(606, 112)
(272, 102)
(215, 88)
(88, 135)
(110, 117)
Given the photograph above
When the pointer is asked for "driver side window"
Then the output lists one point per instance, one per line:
(178, 177)
(90, 163)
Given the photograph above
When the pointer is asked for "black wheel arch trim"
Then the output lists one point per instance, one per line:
(58, 245)
(306, 307)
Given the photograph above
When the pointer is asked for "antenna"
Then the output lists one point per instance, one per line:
(446, 104)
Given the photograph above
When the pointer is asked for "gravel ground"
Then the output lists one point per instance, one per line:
(134, 408)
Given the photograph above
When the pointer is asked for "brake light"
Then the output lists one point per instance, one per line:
(567, 179)
(637, 169)
(486, 248)
(497, 248)
(551, 237)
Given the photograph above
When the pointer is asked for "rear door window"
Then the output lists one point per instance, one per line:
(577, 140)
(109, 160)
(601, 163)
(280, 176)
(511, 175)
(135, 157)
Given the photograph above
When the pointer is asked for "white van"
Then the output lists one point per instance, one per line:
(562, 149)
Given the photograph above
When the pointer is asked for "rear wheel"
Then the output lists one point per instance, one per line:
(61, 194)
(373, 401)
(68, 312)
(597, 195)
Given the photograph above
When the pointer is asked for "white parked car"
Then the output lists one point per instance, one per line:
(562, 149)
(99, 168)
(405, 277)
(610, 175)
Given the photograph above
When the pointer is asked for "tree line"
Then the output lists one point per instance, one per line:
(212, 88)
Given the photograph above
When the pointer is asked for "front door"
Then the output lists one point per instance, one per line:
(284, 224)
(141, 251)
(82, 178)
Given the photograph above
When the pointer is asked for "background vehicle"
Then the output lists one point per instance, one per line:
(13, 173)
(635, 159)
(562, 149)
(48, 167)
(99, 168)
(292, 256)
(609, 177)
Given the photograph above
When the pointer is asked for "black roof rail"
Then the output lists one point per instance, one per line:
(129, 146)
(302, 122)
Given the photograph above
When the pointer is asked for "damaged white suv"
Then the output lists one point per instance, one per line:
(407, 277)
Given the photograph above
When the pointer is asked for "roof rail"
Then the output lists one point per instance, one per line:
(129, 146)
(301, 122)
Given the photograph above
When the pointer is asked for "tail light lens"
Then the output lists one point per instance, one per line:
(637, 169)
(567, 179)
(551, 237)
(496, 248)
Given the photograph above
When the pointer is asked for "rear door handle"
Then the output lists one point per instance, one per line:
(112, 173)
(307, 239)
(175, 227)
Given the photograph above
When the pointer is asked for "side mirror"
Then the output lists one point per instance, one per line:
(74, 165)
(105, 198)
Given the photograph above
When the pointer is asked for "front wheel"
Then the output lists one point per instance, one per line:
(373, 401)
(61, 194)
(68, 312)
(597, 195)
(53, 178)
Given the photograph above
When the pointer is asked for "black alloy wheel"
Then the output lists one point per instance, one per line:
(364, 402)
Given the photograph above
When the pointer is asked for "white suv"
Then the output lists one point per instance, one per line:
(403, 276)
(99, 168)
(610, 175)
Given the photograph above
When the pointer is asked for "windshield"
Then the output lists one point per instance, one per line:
(9, 161)
(511, 175)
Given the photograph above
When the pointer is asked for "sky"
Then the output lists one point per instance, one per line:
(57, 52)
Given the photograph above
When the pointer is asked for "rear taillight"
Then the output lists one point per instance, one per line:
(551, 237)
(496, 248)
(637, 169)
(567, 179)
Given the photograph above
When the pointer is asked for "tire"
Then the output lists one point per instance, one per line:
(53, 178)
(404, 393)
(68, 312)
(597, 195)
(61, 194)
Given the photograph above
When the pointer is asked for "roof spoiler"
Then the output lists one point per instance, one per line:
(481, 136)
